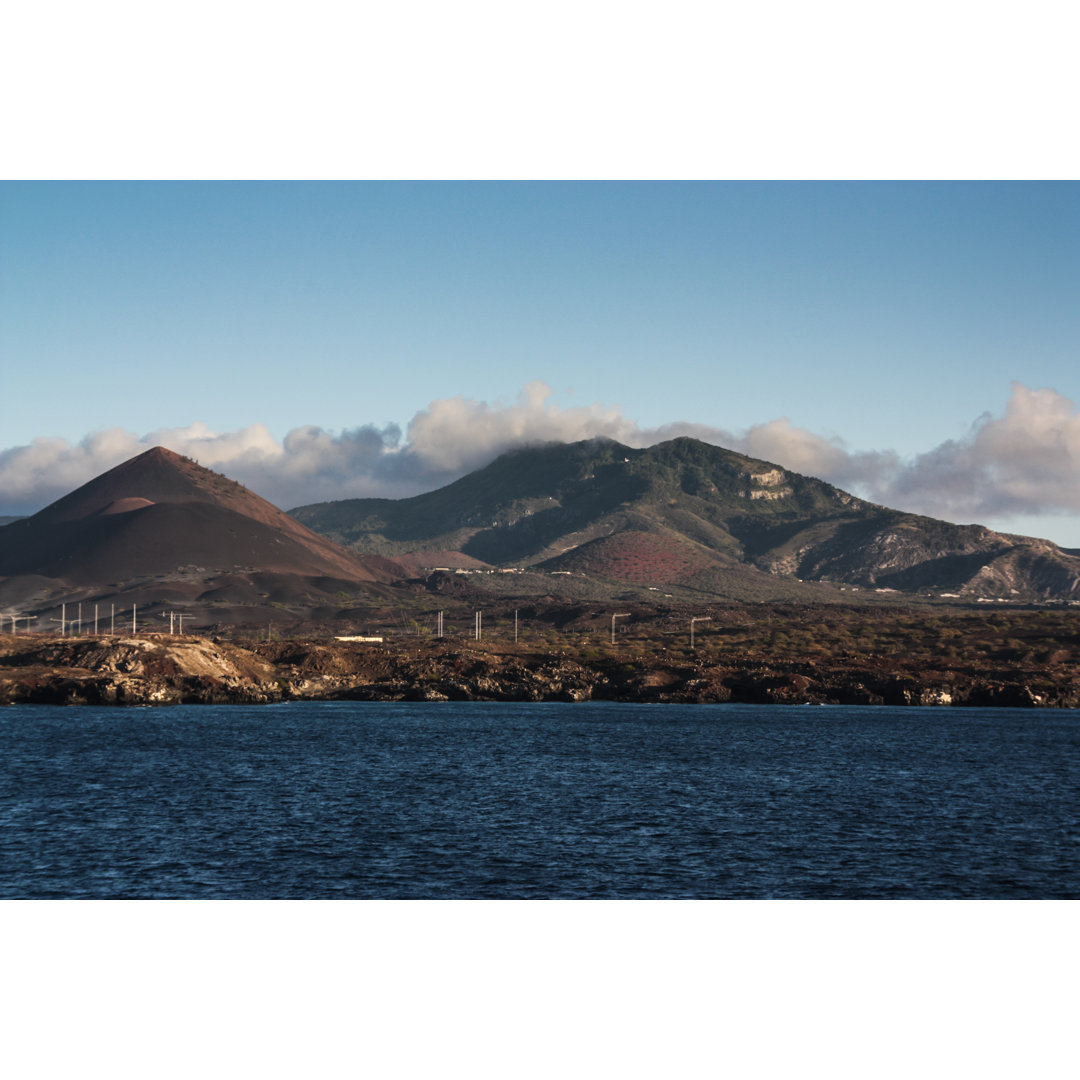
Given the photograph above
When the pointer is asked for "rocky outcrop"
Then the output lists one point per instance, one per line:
(133, 671)
(174, 670)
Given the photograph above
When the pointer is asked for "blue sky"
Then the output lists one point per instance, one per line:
(876, 319)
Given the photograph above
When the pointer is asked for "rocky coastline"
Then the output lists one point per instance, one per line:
(175, 669)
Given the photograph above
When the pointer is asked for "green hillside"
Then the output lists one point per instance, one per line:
(687, 512)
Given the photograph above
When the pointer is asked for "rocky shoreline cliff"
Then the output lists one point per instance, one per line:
(175, 669)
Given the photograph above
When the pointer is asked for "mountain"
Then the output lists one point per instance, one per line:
(688, 513)
(159, 518)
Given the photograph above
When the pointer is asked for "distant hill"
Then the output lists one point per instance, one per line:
(688, 513)
(160, 518)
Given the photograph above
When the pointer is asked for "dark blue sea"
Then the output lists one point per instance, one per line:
(448, 800)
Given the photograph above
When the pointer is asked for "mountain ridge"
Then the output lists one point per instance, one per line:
(557, 506)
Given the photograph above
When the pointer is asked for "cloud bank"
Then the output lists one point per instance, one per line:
(1025, 462)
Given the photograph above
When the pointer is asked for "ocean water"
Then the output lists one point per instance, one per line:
(463, 800)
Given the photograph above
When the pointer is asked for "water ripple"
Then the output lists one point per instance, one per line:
(441, 800)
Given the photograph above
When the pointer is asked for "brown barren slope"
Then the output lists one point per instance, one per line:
(160, 511)
(640, 557)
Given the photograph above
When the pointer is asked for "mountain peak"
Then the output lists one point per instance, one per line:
(162, 453)
(157, 475)
(691, 513)
(169, 509)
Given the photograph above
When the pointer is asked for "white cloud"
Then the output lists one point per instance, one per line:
(459, 434)
(1024, 462)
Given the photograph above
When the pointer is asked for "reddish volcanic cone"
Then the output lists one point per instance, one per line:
(160, 511)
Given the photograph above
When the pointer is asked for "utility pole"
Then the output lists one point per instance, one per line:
(619, 615)
(479, 625)
(78, 632)
(95, 620)
(133, 618)
(697, 618)
(515, 625)
(63, 620)
(180, 620)
(438, 625)
(112, 619)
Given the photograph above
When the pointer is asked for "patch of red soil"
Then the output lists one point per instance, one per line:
(638, 557)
